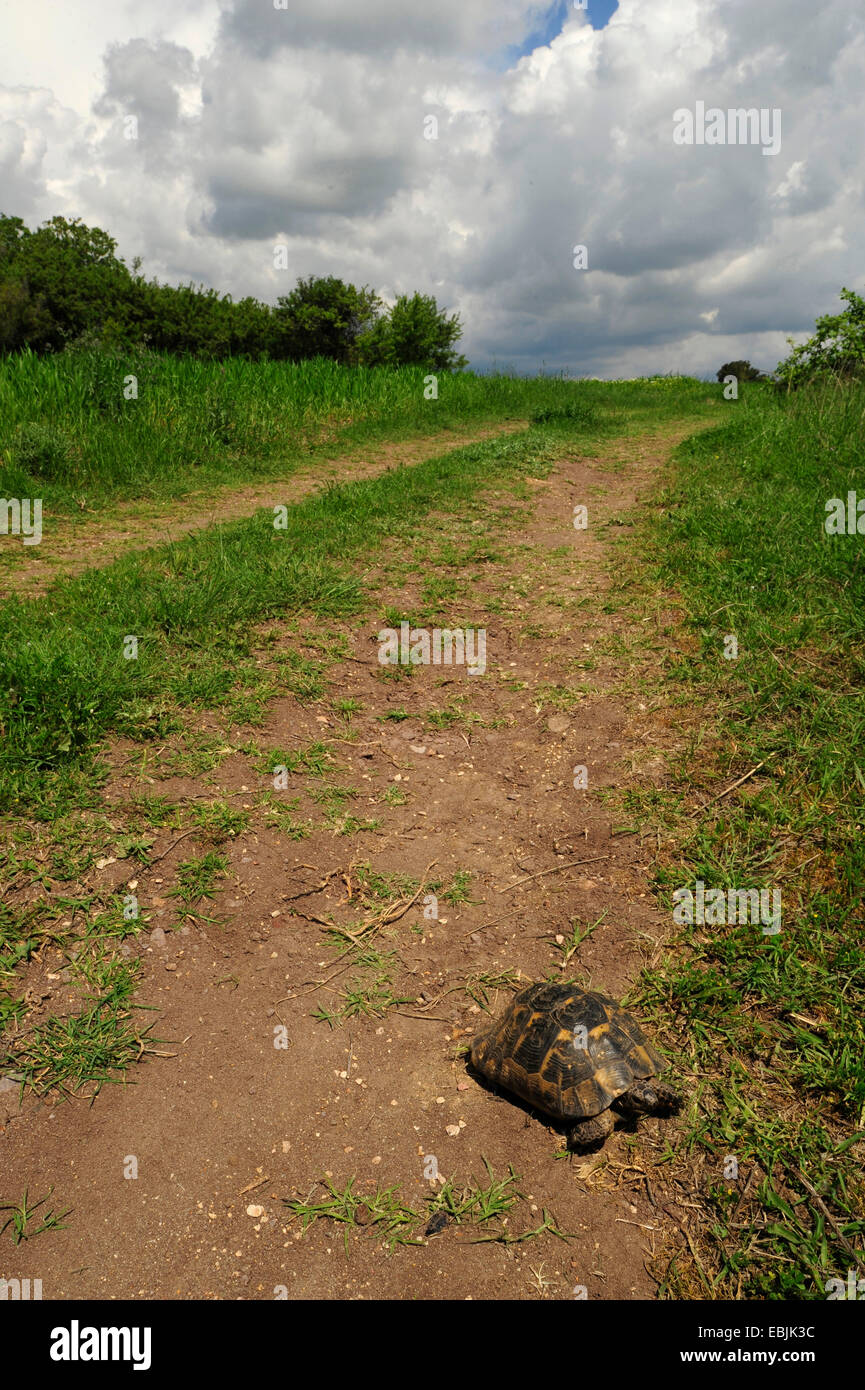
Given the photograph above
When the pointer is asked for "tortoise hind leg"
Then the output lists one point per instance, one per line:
(649, 1097)
(585, 1134)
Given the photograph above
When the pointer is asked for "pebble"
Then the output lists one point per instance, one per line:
(558, 724)
(157, 937)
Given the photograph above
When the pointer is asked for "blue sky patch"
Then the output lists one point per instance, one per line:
(598, 13)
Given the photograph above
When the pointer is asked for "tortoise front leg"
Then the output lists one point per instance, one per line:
(586, 1133)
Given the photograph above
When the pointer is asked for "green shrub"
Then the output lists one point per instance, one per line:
(837, 349)
(43, 451)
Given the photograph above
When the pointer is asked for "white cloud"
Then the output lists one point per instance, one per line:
(307, 125)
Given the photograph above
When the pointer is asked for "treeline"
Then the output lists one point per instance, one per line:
(64, 285)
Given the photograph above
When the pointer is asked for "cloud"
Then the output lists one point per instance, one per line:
(308, 126)
(380, 27)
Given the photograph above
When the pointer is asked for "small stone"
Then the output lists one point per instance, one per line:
(157, 937)
(558, 724)
(255, 1211)
(452, 1130)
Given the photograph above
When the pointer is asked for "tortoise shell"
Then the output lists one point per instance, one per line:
(568, 1051)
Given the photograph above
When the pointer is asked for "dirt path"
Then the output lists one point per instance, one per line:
(72, 545)
(232, 1123)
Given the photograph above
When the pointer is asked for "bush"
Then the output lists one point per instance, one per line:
(837, 349)
(416, 333)
(43, 451)
(741, 370)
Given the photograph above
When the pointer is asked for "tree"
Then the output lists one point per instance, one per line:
(324, 317)
(837, 348)
(742, 371)
(72, 277)
(24, 320)
(415, 333)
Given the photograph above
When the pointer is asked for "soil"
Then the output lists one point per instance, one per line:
(225, 1123)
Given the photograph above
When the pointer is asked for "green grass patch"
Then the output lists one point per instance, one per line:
(772, 1027)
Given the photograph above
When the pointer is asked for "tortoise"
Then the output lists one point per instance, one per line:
(573, 1054)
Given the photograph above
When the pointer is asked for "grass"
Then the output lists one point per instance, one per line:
(569, 945)
(480, 985)
(370, 994)
(69, 435)
(19, 1223)
(392, 1220)
(69, 1053)
(771, 1027)
(197, 878)
(382, 1211)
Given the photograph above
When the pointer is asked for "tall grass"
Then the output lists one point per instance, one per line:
(74, 432)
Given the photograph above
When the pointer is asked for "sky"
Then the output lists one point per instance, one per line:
(204, 135)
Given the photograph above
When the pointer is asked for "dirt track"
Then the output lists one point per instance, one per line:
(70, 546)
(230, 1121)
